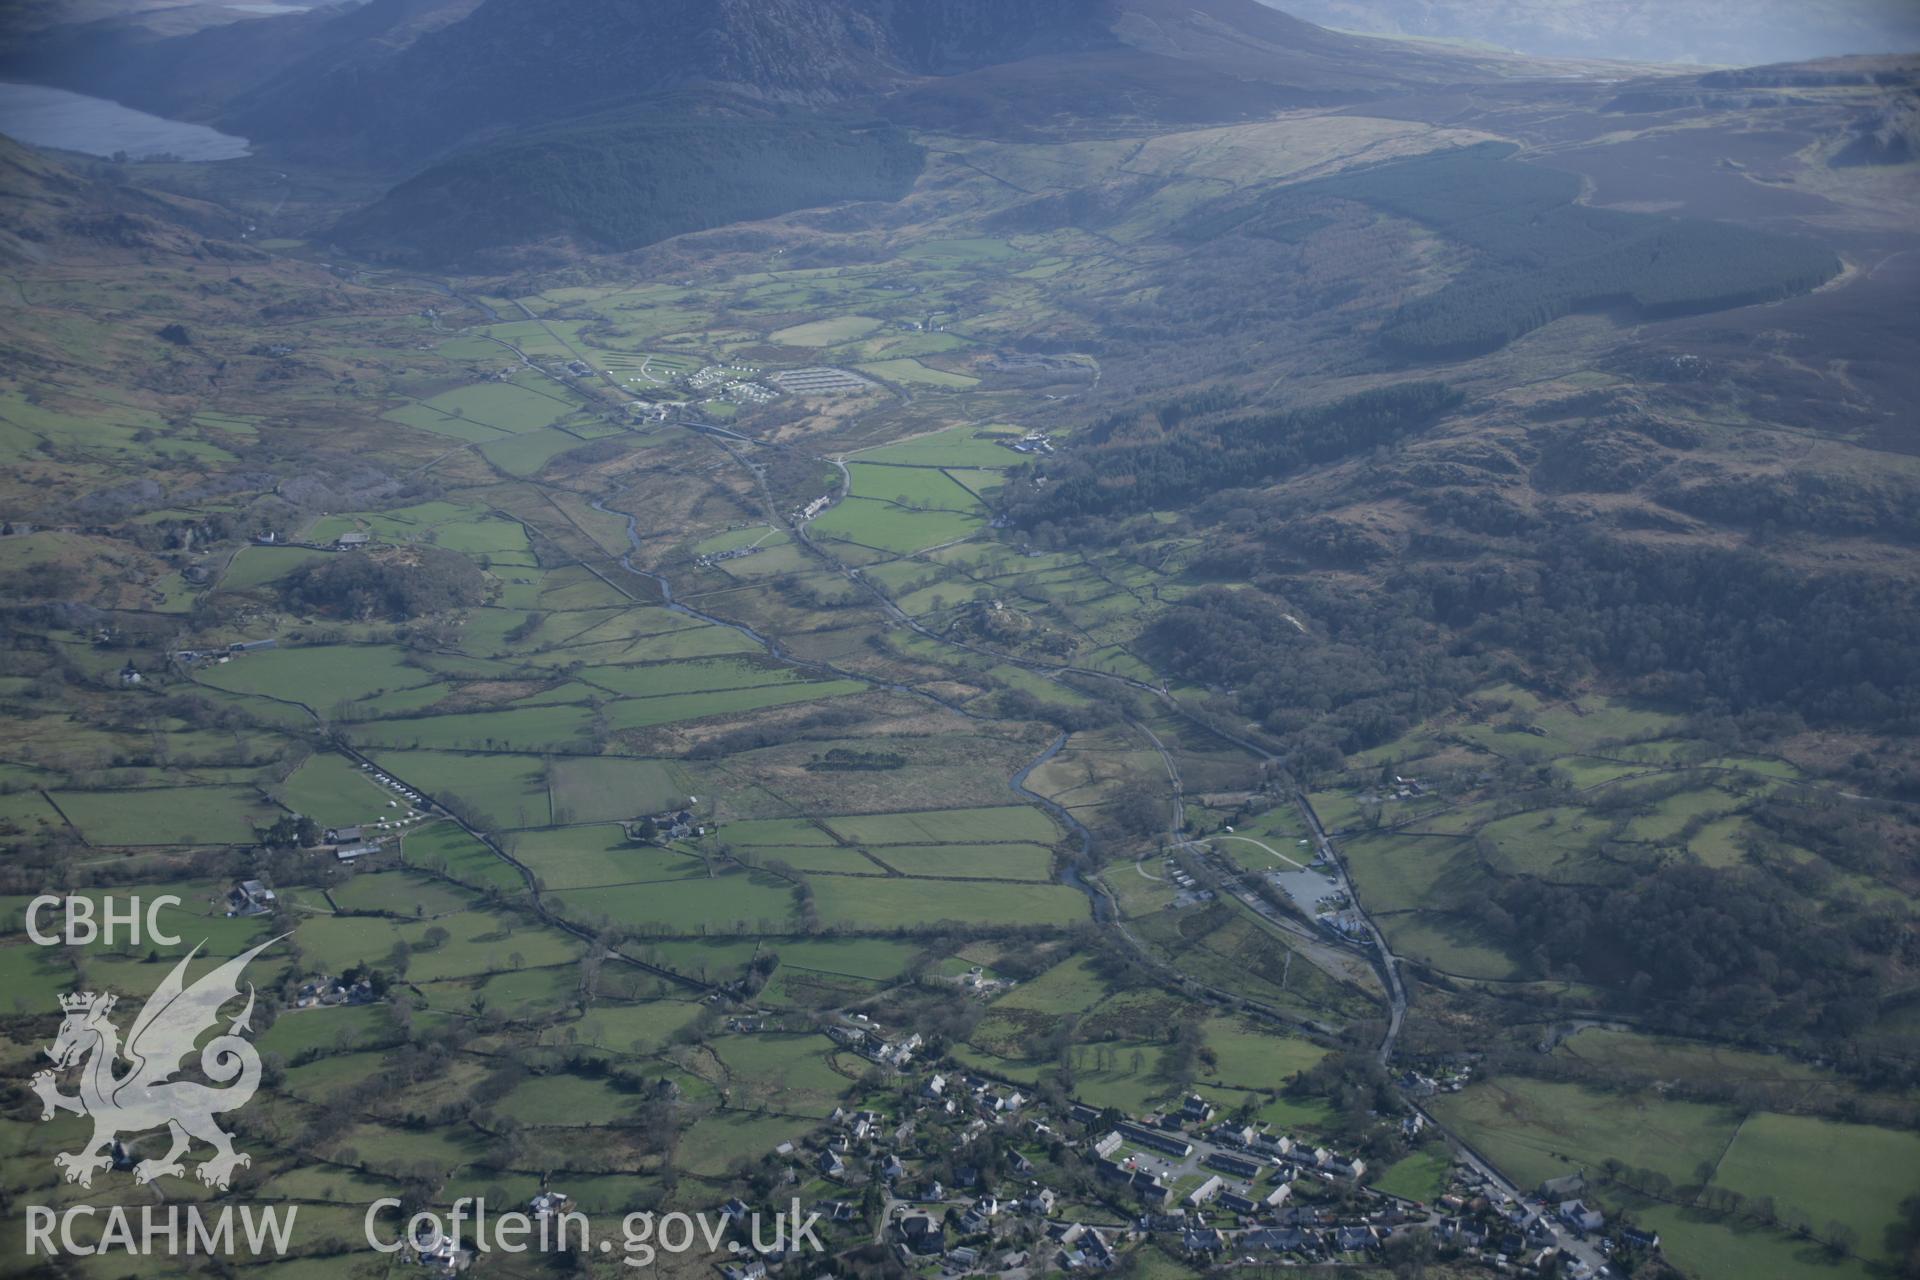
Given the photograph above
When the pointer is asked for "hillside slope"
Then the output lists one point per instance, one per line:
(49, 213)
(621, 180)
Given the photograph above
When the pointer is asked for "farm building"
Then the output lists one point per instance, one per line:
(249, 898)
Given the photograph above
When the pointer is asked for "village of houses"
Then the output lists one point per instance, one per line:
(953, 1174)
(944, 1168)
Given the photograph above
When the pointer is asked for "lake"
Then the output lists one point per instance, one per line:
(47, 117)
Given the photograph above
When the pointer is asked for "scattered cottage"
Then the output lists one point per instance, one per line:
(250, 898)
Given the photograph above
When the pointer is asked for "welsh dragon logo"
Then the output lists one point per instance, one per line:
(145, 1096)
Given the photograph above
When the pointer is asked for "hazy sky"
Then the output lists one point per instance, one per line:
(1712, 31)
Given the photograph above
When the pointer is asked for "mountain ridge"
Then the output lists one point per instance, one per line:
(357, 84)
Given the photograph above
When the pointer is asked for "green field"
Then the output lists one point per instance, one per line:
(788, 1074)
(33, 976)
(875, 958)
(825, 333)
(334, 792)
(939, 826)
(601, 790)
(899, 904)
(1831, 1172)
(633, 1027)
(480, 943)
(726, 1138)
(734, 903)
(544, 728)
(300, 1031)
(1069, 987)
(640, 713)
(1536, 1129)
(915, 373)
(973, 861)
(321, 676)
(1632, 1054)
(576, 857)
(528, 454)
(702, 675)
(504, 791)
(1421, 1176)
(447, 850)
(405, 893)
(258, 566)
(168, 815)
(1711, 1248)
(835, 859)
(567, 1100)
(775, 831)
(1251, 1056)
(920, 488)
(505, 405)
(886, 527)
(953, 447)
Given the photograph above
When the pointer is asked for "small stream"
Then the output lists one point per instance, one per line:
(772, 647)
(1069, 874)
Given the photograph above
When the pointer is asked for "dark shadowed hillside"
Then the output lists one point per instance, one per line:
(50, 214)
(618, 182)
(398, 79)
